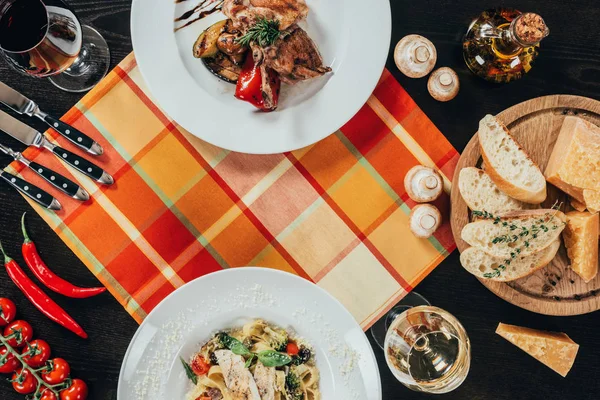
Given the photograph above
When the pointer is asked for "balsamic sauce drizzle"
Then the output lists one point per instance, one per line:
(204, 12)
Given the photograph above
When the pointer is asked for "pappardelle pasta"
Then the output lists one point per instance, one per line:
(259, 361)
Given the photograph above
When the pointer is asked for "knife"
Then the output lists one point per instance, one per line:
(55, 179)
(31, 137)
(33, 192)
(23, 105)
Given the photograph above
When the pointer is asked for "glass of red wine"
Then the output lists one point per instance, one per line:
(43, 38)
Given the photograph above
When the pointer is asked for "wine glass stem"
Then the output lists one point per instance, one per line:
(81, 64)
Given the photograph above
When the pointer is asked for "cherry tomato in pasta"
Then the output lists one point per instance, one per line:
(200, 366)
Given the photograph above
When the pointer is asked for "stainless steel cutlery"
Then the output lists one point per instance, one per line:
(55, 179)
(24, 105)
(33, 192)
(32, 137)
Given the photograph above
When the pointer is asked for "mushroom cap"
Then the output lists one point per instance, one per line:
(423, 184)
(425, 219)
(415, 56)
(443, 84)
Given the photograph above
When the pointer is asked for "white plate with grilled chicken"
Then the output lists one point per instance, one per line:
(261, 76)
(249, 334)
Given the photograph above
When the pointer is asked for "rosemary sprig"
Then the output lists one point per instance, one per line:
(523, 233)
(264, 33)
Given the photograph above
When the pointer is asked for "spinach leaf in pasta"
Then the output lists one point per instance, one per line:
(234, 345)
(189, 372)
(271, 358)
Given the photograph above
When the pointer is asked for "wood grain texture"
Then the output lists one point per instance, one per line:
(569, 63)
(535, 125)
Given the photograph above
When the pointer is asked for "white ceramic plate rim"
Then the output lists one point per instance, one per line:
(302, 282)
(356, 73)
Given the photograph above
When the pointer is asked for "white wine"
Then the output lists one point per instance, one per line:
(428, 350)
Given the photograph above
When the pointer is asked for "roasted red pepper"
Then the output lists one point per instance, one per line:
(49, 278)
(249, 85)
(40, 299)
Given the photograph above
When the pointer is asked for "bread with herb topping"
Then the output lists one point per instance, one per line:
(483, 265)
(481, 193)
(509, 166)
(515, 233)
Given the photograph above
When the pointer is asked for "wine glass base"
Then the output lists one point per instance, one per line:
(380, 328)
(91, 65)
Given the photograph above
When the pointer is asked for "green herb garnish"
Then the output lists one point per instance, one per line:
(189, 372)
(264, 33)
(233, 344)
(271, 358)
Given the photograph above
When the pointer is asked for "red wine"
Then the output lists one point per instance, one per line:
(39, 37)
(23, 25)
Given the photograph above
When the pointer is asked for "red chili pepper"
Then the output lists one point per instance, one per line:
(40, 299)
(249, 85)
(49, 278)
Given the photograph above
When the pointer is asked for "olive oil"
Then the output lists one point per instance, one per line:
(502, 44)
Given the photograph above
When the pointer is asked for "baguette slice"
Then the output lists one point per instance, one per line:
(556, 350)
(508, 164)
(488, 234)
(481, 193)
(479, 263)
(581, 240)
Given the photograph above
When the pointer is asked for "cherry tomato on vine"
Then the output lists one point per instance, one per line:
(47, 394)
(25, 383)
(10, 364)
(59, 373)
(37, 353)
(200, 366)
(8, 311)
(77, 391)
(24, 333)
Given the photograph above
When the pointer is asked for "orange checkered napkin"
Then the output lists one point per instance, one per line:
(335, 212)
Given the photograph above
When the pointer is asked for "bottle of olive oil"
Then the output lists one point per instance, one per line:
(501, 44)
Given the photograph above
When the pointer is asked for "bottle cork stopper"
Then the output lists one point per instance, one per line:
(415, 56)
(530, 28)
(443, 84)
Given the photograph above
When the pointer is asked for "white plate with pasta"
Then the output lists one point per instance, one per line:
(252, 334)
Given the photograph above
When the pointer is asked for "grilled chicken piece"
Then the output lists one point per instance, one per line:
(245, 12)
(266, 381)
(238, 378)
(295, 57)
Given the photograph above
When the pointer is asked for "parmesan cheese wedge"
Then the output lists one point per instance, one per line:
(581, 240)
(592, 200)
(553, 349)
(574, 164)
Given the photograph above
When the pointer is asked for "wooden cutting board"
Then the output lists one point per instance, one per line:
(535, 124)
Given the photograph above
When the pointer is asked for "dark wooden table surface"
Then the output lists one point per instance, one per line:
(569, 64)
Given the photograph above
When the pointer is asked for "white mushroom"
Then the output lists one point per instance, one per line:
(425, 219)
(443, 84)
(423, 184)
(415, 56)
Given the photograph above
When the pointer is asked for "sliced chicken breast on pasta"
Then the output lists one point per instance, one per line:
(238, 378)
(265, 378)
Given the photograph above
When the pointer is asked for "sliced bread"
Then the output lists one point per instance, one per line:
(516, 233)
(509, 166)
(482, 265)
(481, 193)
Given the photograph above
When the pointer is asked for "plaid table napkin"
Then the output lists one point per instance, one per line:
(335, 213)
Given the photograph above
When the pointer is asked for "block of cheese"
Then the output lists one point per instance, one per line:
(556, 350)
(581, 240)
(592, 200)
(574, 164)
(576, 204)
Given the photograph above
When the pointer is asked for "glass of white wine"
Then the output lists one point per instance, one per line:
(426, 348)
